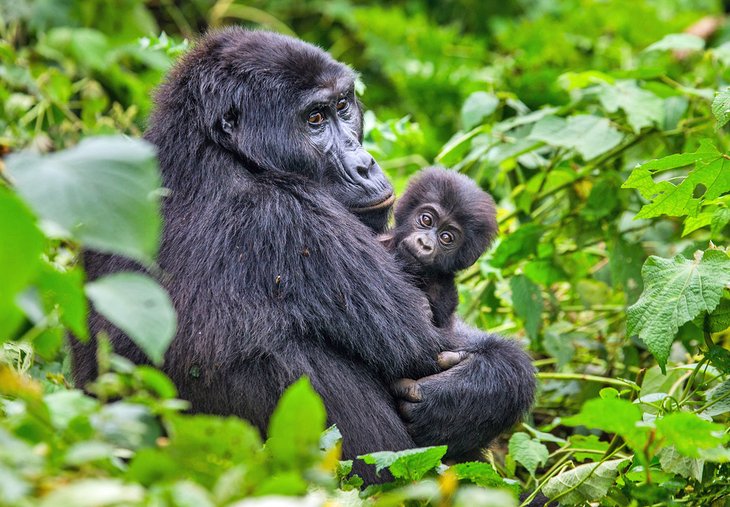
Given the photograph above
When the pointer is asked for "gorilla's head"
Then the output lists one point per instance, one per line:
(278, 104)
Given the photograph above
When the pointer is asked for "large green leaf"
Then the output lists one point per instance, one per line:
(589, 135)
(612, 415)
(689, 433)
(584, 482)
(642, 107)
(103, 193)
(709, 179)
(21, 245)
(676, 291)
(528, 451)
(528, 303)
(476, 107)
(411, 464)
(137, 305)
(296, 426)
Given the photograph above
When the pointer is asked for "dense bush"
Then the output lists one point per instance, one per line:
(598, 126)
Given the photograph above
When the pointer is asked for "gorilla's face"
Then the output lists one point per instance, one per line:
(283, 105)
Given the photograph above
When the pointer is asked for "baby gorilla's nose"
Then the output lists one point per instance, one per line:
(424, 244)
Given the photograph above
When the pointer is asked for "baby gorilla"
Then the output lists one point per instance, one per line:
(443, 223)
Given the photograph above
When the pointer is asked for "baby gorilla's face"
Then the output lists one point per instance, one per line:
(430, 239)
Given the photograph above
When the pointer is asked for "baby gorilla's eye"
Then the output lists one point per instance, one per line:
(315, 118)
(342, 104)
(446, 238)
(425, 219)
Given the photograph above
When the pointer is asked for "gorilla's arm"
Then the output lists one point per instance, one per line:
(488, 385)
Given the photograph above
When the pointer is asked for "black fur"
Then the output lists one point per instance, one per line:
(456, 206)
(273, 275)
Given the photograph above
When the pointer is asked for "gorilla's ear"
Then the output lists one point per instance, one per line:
(229, 122)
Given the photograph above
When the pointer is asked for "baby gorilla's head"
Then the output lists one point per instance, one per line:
(443, 222)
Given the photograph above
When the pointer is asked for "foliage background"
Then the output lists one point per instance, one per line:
(597, 128)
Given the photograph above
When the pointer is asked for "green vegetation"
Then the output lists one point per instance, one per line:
(599, 127)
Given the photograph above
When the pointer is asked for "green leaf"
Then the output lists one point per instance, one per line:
(584, 483)
(206, 446)
(612, 415)
(587, 443)
(689, 433)
(330, 438)
(517, 246)
(479, 473)
(673, 462)
(709, 179)
(719, 320)
(477, 106)
(589, 135)
(528, 303)
(527, 451)
(65, 289)
(411, 464)
(140, 307)
(296, 426)
(642, 107)
(103, 193)
(94, 493)
(678, 42)
(676, 291)
(20, 257)
(721, 107)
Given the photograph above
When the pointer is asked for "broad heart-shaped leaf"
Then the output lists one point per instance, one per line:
(612, 415)
(678, 41)
(477, 106)
(674, 462)
(411, 464)
(676, 291)
(296, 426)
(103, 193)
(140, 307)
(709, 179)
(589, 135)
(528, 303)
(689, 433)
(642, 107)
(529, 452)
(21, 245)
(721, 107)
(584, 482)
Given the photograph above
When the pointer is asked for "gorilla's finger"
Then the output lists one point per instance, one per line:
(408, 389)
(407, 410)
(449, 358)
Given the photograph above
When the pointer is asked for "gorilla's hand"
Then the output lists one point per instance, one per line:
(485, 388)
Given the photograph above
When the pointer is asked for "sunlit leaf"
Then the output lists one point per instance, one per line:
(296, 426)
(527, 451)
(589, 135)
(676, 291)
(103, 193)
(139, 306)
(584, 482)
(411, 464)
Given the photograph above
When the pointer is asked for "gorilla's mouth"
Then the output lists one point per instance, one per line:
(384, 203)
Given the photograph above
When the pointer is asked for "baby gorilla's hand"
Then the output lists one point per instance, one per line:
(410, 392)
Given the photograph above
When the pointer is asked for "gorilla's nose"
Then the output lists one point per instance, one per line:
(365, 169)
(424, 244)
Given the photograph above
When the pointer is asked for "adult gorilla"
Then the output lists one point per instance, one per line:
(269, 255)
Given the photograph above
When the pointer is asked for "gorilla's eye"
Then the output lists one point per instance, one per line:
(315, 118)
(446, 238)
(342, 104)
(425, 219)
